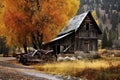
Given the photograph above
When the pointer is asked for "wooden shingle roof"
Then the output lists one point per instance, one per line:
(73, 26)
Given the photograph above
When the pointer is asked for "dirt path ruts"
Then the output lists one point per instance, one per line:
(11, 71)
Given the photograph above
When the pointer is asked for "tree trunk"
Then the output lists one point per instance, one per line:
(34, 41)
(40, 40)
(25, 48)
(37, 40)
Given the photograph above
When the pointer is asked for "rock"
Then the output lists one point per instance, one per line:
(73, 58)
(79, 57)
(60, 59)
(71, 78)
(68, 77)
(67, 58)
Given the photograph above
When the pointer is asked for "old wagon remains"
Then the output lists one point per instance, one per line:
(80, 35)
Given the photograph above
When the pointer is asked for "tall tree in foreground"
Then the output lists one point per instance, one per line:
(31, 21)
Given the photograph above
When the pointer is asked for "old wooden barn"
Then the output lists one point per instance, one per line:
(80, 34)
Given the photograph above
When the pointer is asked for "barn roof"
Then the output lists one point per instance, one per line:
(62, 36)
(73, 26)
(74, 23)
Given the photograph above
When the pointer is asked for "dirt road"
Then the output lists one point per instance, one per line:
(12, 71)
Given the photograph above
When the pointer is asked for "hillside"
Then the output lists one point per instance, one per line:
(108, 13)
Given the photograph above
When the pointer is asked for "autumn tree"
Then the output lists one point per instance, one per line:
(16, 29)
(1, 15)
(33, 21)
(3, 47)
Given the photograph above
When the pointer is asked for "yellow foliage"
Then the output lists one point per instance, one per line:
(2, 8)
(95, 17)
(20, 22)
(59, 12)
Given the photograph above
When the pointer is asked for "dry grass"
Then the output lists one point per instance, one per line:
(105, 68)
(72, 68)
(102, 50)
(109, 53)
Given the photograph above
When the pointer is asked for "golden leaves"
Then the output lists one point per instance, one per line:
(23, 18)
(60, 11)
(2, 8)
(95, 17)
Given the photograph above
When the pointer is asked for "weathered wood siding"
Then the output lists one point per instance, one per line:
(63, 45)
(86, 37)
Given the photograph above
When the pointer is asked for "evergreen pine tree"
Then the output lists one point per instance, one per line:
(110, 39)
(104, 40)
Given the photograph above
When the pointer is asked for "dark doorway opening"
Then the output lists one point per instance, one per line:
(56, 49)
